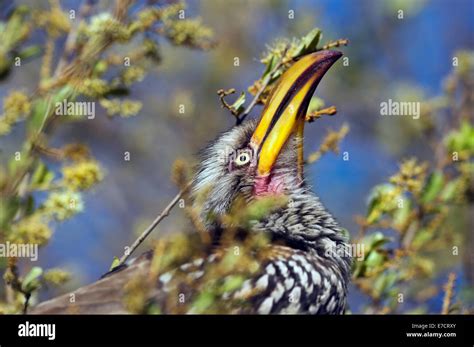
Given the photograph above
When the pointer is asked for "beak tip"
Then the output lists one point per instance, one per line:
(292, 93)
(331, 54)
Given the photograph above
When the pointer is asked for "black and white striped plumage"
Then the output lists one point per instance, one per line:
(309, 265)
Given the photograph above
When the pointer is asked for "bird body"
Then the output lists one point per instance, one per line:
(304, 267)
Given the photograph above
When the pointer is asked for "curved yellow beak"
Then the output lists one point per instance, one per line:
(287, 106)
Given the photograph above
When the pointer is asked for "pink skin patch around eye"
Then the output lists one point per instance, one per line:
(267, 185)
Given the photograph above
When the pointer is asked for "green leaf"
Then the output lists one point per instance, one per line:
(42, 176)
(374, 259)
(376, 240)
(14, 166)
(308, 43)
(262, 207)
(384, 282)
(315, 104)
(311, 40)
(239, 103)
(29, 205)
(45, 107)
(37, 119)
(359, 269)
(203, 302)
(433, 186)
(422, 236)
(449, 191)
(462, 139)
(114, 264)
(8, 210)
(32, 280)
(376, 202)
(270, 66)
(232, 283)
(30, 52)
(401, 214)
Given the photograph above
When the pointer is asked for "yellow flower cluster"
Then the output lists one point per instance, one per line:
(17, 102)
(15, 105)
(82, 175)
(182, 31)
(116, 30)
(55, 21)
(132, 74)
(189, 32)
(93, 87)
(56, 277)
(30, 230)
(104, 25)
(63, 205)
(330, 143)
(411, 176)
(125, 108)
(146, 18)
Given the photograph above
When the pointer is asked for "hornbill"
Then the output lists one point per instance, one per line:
(306, 266)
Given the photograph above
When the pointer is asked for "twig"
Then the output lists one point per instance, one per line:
(69, 46)
(334, 44)
(14, 284)
(330, 143)
(328, 111)
(27, 301)
(254, 101)
(449, 293)
(85, 7)
(222, 94)
(152, 226)
(262, 88)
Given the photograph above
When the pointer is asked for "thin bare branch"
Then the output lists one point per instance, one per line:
(222, 94)
(448, 293)
(152, 226)
(328, 111)
(255, 99)
(70, 45)
(334, 44)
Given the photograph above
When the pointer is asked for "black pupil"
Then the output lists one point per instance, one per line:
(243, 157)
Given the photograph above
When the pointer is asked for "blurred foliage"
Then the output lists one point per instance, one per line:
(33, 196)
(329, 143)
(237, 260)
(13, 34)
(412, 232)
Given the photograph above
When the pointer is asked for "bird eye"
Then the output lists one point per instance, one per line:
(242, 158)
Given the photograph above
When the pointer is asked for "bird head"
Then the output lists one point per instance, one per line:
(262, 158)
